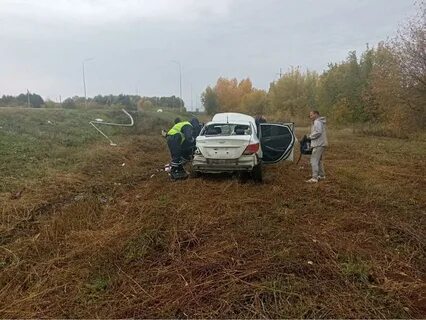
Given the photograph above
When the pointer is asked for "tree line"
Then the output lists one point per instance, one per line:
(384, 87)
(131, 102)
(24, 99)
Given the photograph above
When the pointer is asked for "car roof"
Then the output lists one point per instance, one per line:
(232, 117)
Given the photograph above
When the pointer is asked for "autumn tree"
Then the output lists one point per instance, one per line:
(210, 101)
(255, 102)
(294, 94)
(230, 93)
(383, 87)
(410, 51)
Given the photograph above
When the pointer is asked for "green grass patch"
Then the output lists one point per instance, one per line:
(34, 142)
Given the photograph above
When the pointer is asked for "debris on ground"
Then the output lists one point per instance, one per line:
(16, 195)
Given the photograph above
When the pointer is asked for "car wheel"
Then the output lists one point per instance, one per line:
(243, 176)
(256, 173)
(194, 174)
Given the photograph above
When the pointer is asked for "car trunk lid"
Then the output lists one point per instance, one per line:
(223, 147)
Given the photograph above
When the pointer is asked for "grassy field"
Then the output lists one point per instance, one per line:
(90, 230)
(35, 143)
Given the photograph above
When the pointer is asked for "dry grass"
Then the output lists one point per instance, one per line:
(110, 241)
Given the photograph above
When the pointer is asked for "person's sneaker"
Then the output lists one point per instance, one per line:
(312, 180)
(321, 178)
(178, 174)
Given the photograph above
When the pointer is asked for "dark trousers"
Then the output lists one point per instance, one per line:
(188, 149)
(175, 148)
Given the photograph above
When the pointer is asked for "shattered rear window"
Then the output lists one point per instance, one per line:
(226, 129)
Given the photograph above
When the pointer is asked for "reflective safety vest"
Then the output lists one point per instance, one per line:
(177, 128)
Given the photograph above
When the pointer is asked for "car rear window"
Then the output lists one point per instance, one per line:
(226, 129)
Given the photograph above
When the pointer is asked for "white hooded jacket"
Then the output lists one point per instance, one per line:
(318, 134)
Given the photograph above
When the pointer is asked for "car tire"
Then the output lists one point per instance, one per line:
(194, 174)
(256, 173)
(243, 176)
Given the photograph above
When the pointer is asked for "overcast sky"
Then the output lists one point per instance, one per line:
(133, 42)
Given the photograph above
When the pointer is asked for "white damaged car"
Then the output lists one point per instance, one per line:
(232, 142)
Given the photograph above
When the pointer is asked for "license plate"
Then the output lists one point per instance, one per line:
(219, 161)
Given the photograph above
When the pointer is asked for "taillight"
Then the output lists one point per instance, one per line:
(251, 148)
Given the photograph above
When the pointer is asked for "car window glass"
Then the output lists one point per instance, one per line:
(270, 131)
(226, 129)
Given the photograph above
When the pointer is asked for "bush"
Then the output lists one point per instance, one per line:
(69, 104)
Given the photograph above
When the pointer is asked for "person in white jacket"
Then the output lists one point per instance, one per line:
(318, 137)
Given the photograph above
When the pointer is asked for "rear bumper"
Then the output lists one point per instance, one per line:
(244, 163)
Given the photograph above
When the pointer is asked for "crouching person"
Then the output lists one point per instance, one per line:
(179, 137)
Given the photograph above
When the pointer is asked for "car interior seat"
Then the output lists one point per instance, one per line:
(239, 131)
(211, 131)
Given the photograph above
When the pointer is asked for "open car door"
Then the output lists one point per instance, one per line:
(277, 141)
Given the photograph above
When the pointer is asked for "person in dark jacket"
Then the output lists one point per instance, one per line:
(259, 119)
(196, 127)
(189, 147)
(178, 138)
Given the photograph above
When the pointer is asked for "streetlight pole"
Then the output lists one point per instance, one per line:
(180, 84)
(84, 81)
(28, 98)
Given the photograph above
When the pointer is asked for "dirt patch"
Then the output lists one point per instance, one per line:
(124, 241)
